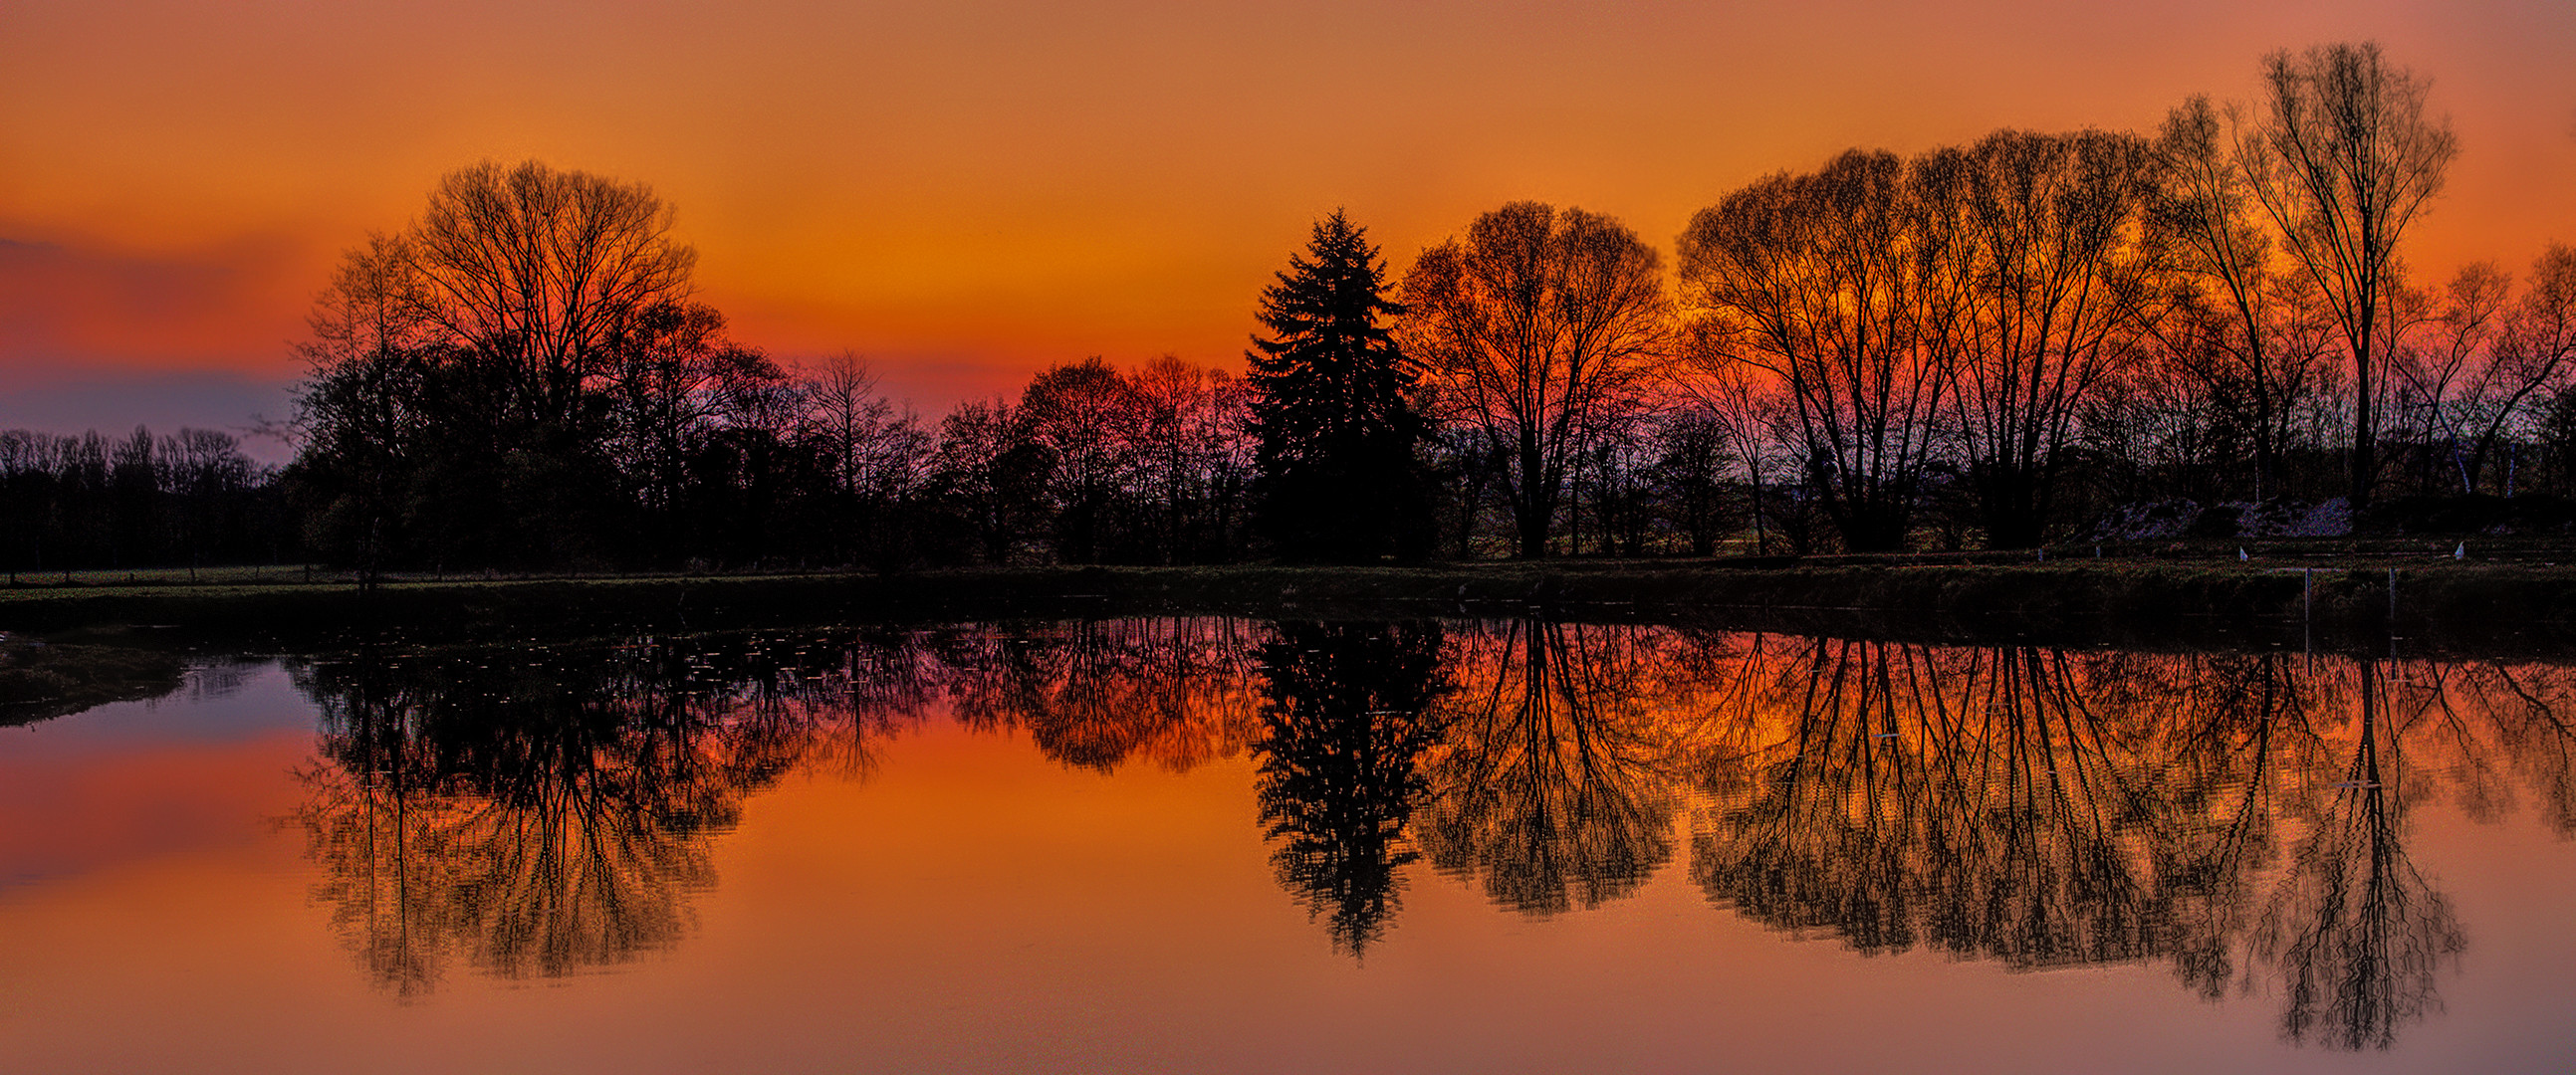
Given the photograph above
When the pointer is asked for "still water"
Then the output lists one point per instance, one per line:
(1223, 845)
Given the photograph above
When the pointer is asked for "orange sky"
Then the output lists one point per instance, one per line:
(966, 191)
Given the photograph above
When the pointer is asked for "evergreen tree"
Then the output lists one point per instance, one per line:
(1334, 404)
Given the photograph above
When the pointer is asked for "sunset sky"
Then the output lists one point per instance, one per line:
(967, 191)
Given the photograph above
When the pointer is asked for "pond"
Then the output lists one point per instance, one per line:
(1215, 845)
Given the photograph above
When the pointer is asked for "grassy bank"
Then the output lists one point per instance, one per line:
(38, 680)
(2128, 602)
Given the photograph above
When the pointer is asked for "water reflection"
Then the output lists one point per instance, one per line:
(1967, 800)
(2242, 820)
(1096, 694)
(2357, 931)
(1346, 718)
(537, 814)
(1551, 781)
(40, 681)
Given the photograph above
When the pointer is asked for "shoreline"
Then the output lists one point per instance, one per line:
(2440, 606)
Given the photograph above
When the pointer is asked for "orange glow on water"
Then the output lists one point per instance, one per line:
(1027, 869)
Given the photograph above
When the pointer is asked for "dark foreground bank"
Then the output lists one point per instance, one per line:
(2441, 606)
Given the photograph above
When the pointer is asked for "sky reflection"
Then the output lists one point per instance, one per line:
(2243, 833)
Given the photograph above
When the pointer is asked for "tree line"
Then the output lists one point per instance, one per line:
(92, 502)
(1995, 344)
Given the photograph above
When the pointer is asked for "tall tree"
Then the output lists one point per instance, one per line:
(1333, 399)
(2226, 334)
(541, 271)
(2058, 239)
(520, 376)
(2350, 160)
(1540, 329)
(1845, 286)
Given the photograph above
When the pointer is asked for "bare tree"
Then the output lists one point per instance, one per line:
(1845, 286)
(363, 408)
(517, 373)
(1084, 415)
(2228, 333)
(2442, 367)
(881, 459)
(2540, 336)
(676, 377)
(844, 409)
(539, 271)
(2487, 361)
(2349, 162)
(2059, 241)
(1173, 400)
(1539, 330)
(991, 473)
(1747, 406)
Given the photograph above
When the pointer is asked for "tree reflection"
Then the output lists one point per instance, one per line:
(1968, 800)
(2234, 727)
(2243, 819)
(2357, 932)
(537, 814)
(1553, 778)
(1096, 693)
(1345, 719)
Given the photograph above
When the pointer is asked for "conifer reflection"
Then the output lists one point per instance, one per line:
(1345, 720)
(1553, 780)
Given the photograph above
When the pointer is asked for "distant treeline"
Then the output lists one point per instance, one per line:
(89, 501)
(1998, 344)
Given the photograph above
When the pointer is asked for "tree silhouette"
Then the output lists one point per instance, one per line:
(1334, 402)
(2228, 338)
(1540, 330)
(1346, 719)
(2350, 160)
(519, 377)
(1846, 286)
(2068, 273)
(991, 477)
